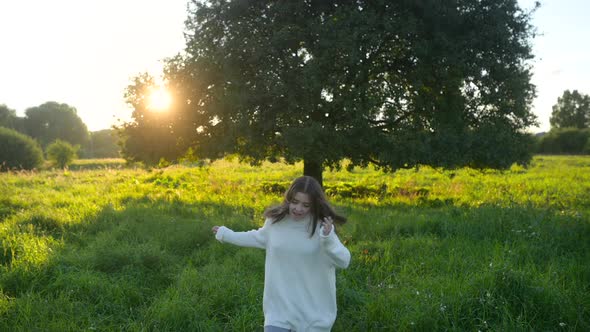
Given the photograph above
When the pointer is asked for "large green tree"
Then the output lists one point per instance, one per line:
(51, 120)
(572, 110)
(393, 83)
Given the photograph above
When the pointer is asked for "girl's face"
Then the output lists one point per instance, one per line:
(300, 206)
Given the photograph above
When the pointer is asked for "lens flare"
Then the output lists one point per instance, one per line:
(159, 100)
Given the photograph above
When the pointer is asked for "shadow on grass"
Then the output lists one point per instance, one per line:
(106, 271)
(154, 265)
(93, 164)
(465, 268)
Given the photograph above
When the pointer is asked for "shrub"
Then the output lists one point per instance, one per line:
(61, 153)
(18, 151)
(564, 141)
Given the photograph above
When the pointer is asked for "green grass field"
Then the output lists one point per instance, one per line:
(101, 247)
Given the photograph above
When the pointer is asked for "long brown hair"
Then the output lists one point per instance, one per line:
(320, 207)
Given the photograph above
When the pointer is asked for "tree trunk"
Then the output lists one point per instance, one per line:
(313, 169)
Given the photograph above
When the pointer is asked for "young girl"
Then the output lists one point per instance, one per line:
(302, 253)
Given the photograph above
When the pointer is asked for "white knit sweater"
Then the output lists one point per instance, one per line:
(300, 279)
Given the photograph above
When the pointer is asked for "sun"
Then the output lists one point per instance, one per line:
(159, 100)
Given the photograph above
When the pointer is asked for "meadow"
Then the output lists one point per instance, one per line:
(105, 247)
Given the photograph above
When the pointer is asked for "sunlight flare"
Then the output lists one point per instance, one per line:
(159, 100)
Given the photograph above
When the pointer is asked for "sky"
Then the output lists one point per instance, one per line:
(84, 53)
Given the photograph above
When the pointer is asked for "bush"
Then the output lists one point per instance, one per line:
(61, 153)
(18, 151)
(565, 141)
(587, 147)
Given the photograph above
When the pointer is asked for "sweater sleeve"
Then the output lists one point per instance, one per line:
(255, 238)
(334, 249)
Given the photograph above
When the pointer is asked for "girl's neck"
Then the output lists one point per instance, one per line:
(305, 218)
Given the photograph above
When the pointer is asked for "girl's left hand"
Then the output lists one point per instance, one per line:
(327, 223)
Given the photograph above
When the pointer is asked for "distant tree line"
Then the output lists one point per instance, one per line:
(47, 123)
(55, 129)
(570, 126)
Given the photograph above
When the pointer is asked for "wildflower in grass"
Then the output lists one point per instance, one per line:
(302, 254)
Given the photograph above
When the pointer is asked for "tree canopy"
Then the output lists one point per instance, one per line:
(101, 144)
(392, 83)
(572, 110)
(152, 136)
(51, 120)
(9, 119)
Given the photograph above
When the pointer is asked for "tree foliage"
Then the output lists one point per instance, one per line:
(565, 141)
(61, 153)
(152, 136)
(572, 110)
(101, 144)
(393, 83)
(9, 119)
(51, 121)
(18, 151)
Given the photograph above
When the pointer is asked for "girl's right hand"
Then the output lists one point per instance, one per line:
(214, 229)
